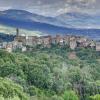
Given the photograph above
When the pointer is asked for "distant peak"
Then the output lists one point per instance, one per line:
(16, 10)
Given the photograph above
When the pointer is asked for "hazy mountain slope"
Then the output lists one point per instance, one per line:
(15, 20)
(11, 30)
(30, 17)
(80, 20)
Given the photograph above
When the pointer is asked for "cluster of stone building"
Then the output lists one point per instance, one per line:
(46, 41)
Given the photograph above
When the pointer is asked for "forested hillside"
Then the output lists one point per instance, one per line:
(50, 74)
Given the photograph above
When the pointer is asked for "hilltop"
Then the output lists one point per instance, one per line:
(50, 74)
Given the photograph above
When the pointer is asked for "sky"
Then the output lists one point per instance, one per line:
(53, 7)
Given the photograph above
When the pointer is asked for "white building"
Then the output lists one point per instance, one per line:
(97, 46)
(9, 47)
(31, 40)
(24, 49)
(4, 44)
(73, 44)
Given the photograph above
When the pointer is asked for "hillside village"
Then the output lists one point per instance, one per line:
(27, 42)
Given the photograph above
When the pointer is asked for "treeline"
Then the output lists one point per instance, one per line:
(6, 37)
(49, 74)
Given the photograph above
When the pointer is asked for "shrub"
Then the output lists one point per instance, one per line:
(70, 95)
(96, 97)
(8, 89)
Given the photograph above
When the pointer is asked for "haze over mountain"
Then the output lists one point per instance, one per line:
(62, 24)
(80, 20)
(87, 11)
(69, 20)
(23, 15)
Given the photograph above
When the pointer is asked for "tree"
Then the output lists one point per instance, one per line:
(9, 89)
(96, 97)
(70, 95)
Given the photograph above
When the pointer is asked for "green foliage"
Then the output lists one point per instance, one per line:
(14, 98)
(70, 95)
(96, 97)
(46, 73)
(8, 89)
(55, 97)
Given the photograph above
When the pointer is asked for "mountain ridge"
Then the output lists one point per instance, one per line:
(80, 20)
(42, 26)
(28, 16)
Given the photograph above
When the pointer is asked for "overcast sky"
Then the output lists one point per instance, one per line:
(53, 7)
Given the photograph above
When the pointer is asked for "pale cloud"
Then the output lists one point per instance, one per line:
(53, 7)
(5, 8)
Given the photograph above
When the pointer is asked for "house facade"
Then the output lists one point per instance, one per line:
(31, 40)
(72, 43)
(97, 46)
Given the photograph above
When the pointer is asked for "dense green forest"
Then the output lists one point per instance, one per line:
(49, 74)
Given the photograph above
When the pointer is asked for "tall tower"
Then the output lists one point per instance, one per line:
(17, 32)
